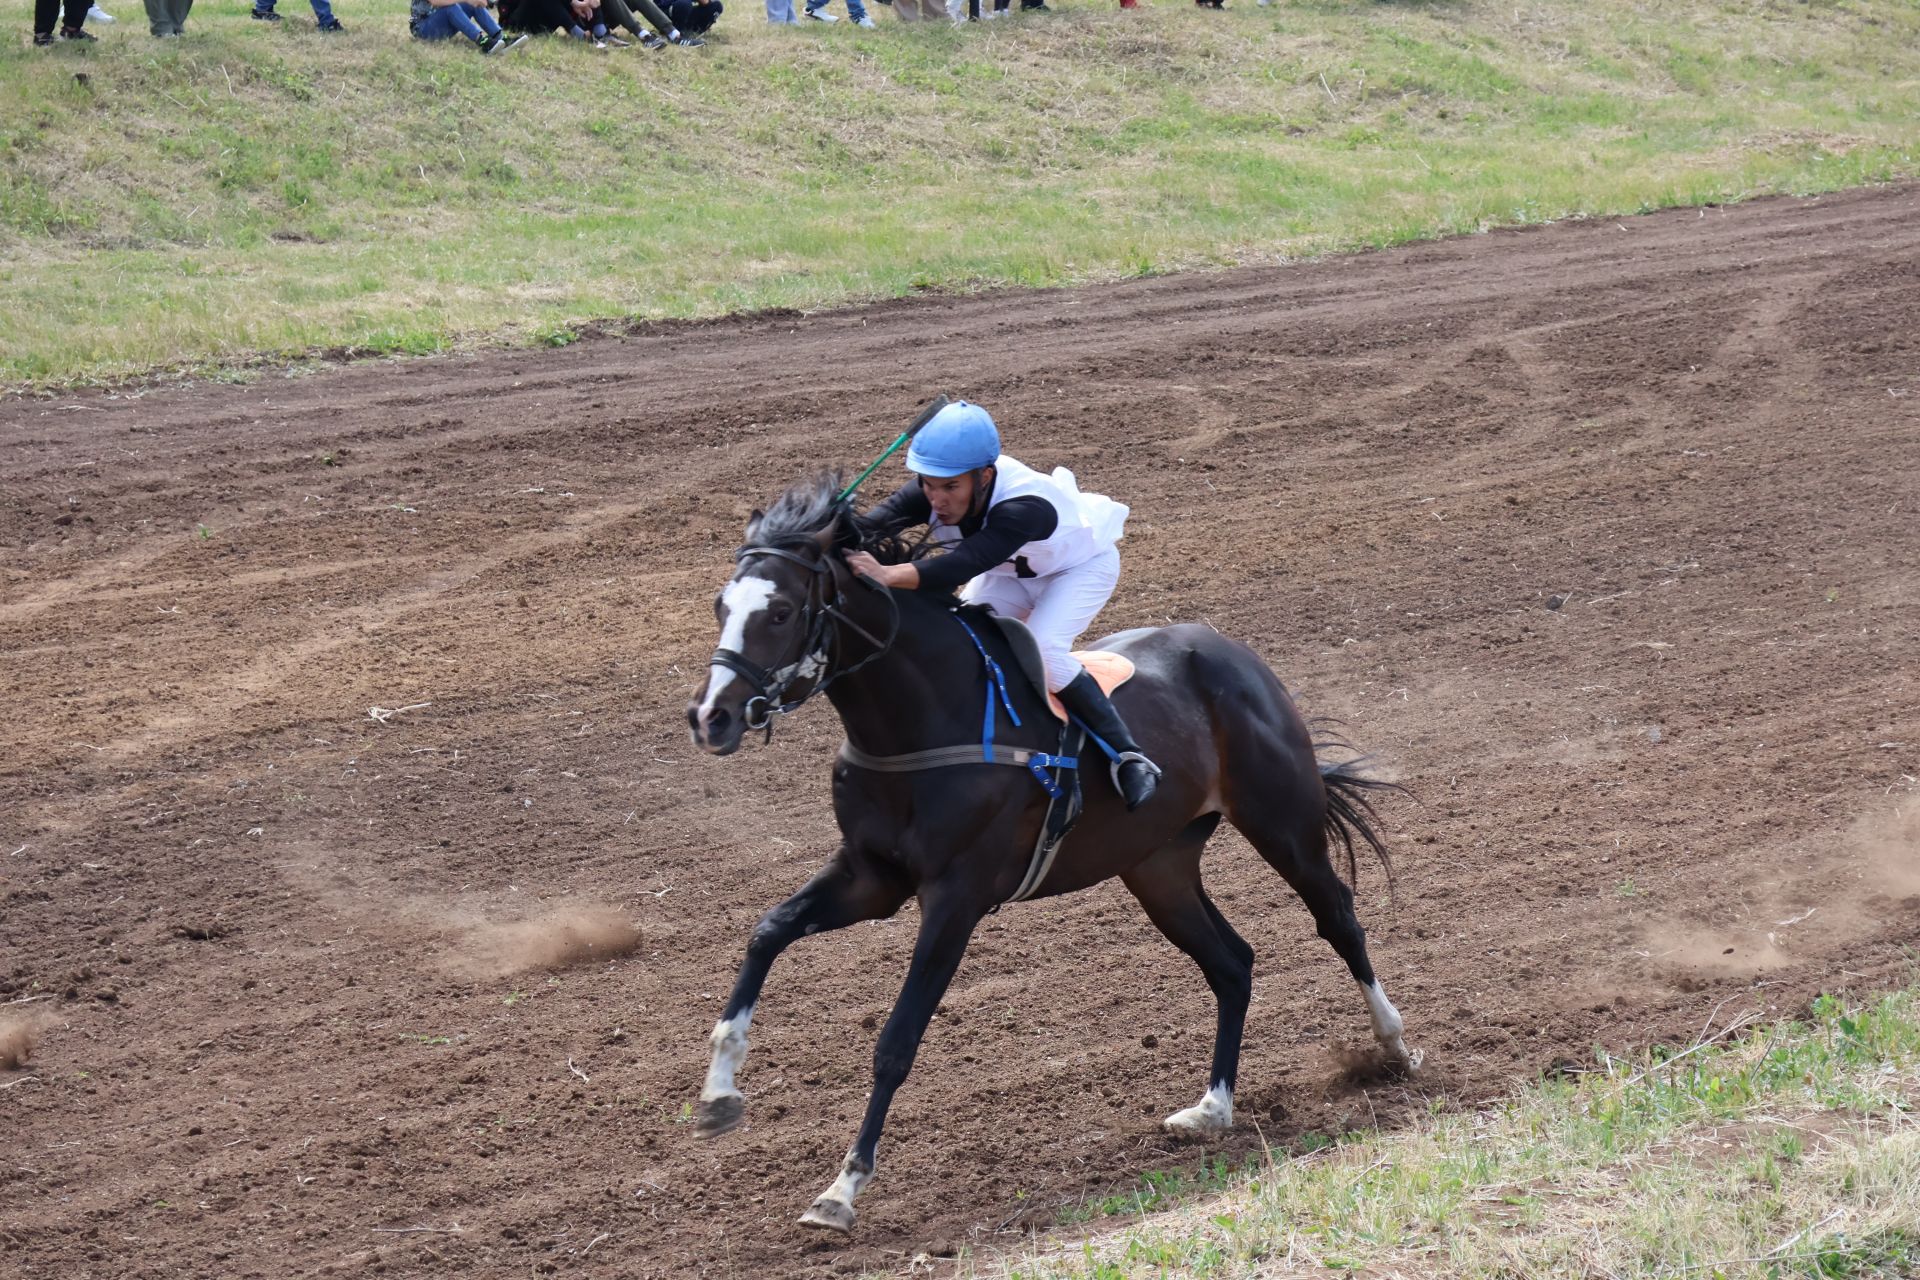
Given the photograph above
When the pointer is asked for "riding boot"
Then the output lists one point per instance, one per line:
(1134, 776)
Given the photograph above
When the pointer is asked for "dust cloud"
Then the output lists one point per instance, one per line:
(18, 1036)
(565, 936)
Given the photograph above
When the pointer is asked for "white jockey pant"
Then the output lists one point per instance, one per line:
(1057, 608)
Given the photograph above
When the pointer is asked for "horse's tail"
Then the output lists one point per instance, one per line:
(1350, 810)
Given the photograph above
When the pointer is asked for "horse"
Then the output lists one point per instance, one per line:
(905, 677)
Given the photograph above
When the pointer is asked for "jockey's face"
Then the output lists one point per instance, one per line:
(953, 496)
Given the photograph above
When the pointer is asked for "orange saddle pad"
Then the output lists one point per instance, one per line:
(1109, 671)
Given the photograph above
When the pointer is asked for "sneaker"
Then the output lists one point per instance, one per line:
(265, 15)
(819, 15)
(863, 21)
(648, 40)
(77, 34)
(97, 14)
(43, 37)
(617, 43)
(686, 42)
(503, 43)
(333, 27)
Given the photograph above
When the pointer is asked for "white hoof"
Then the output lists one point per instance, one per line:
(1212, 1114)
(830, 1215)
(1401, 1058)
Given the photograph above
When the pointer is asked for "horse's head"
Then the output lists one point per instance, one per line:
(779, 615)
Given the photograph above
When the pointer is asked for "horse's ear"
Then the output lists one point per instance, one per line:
(827, 537)
(753, 523)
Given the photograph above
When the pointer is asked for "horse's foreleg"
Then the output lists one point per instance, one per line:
(945, 929)
(841, 894)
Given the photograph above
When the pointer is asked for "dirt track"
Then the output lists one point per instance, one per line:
(285, 1010)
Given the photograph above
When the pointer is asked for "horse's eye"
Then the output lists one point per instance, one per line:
(780, 616)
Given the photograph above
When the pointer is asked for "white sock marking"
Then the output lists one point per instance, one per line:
(848, 1185)
(729, 1041)
(1387, 1026)
(1212, 1114)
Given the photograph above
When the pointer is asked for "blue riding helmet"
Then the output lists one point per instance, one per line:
(961, 438)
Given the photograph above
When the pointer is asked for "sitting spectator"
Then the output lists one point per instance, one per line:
(71, 28)
(580, 18)
(693, 18)
(322, 14)
(443, 19)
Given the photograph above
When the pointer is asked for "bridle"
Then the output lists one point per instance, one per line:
(821, 619)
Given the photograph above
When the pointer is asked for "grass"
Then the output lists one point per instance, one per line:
(1792, 1151)
(261, 192)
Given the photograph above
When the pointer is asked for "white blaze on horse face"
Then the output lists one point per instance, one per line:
(729, 1041)
(742, 599)
(1387, 1026)
(1212, 1114)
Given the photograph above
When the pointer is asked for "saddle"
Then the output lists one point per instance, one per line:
(1109, 670)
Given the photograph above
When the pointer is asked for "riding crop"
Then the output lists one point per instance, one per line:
(926, 416)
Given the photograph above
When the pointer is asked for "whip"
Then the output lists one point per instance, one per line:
(926, 416)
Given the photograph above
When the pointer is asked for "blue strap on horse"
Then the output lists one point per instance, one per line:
(1049, 769)
(1039, 762)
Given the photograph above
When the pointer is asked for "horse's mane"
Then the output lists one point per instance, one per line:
(812, 505)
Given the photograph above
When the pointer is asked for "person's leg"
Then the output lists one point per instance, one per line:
(615, 13)
(482, 18)
(781, 12)
(160, 17)
(263, 10)
(46, 13)
(857, 11)
(450, 21)
(75, 16)
(323, 16)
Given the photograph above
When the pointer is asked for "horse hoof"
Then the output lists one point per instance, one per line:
(1194, 1123)
(831, 1215)
(720, 1115)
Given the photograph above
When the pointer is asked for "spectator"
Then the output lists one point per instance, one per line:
(72, 28)
(817, 10)
(322, 14)
(692, 18)
(168, 18)
(444, 19)
(621, 14)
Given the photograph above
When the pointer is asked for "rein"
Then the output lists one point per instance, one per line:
(822, 618)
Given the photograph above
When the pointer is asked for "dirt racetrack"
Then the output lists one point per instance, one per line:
(1603, 537)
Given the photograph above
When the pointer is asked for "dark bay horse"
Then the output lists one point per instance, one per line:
(905, 676)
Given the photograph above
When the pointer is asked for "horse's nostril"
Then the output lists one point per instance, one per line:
(693, 716)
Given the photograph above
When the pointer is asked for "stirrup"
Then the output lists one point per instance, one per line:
(1153, 774)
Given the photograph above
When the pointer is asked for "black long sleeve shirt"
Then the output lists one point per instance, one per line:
(986, 540)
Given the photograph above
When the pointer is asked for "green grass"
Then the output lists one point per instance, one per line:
(1788, 1152)
(255, 191)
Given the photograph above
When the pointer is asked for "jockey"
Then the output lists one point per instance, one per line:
(1030, 545)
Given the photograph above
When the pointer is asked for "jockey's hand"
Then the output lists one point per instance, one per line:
(905, 577)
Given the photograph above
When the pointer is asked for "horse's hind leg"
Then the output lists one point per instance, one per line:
(1300, 854)
(1168, 886)
(843, 893)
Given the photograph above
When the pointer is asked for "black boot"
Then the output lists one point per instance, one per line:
(1134, 776)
